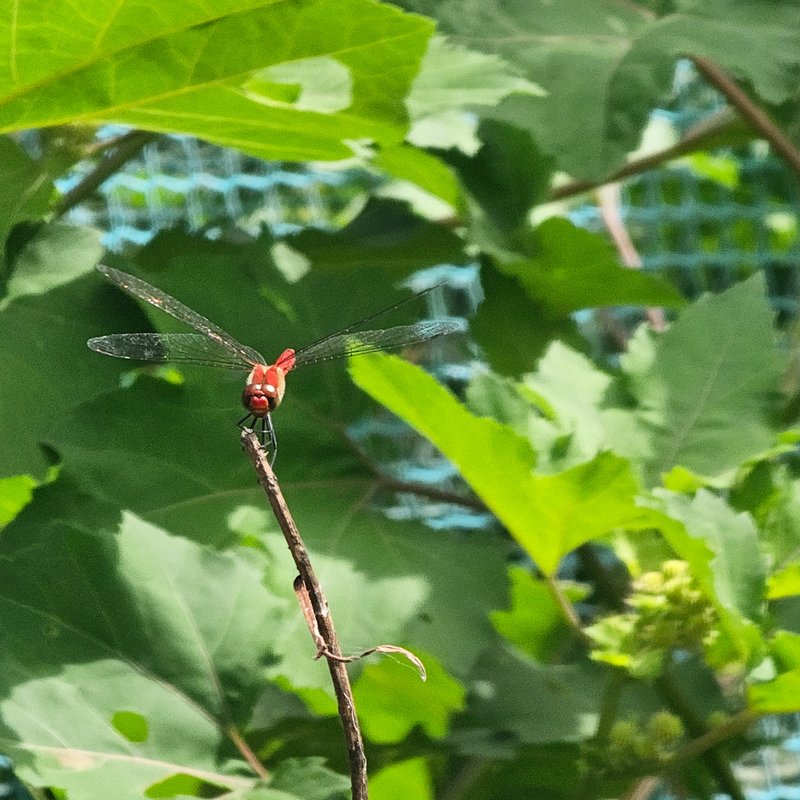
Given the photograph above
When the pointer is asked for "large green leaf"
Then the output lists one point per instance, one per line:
(127, 653)
(386, 232)
(707, 388)
(45, 367)
(606, 64)
(194, 70)
(723, 549)
(549, 515)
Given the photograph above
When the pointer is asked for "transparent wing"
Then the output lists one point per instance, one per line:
(167, 303)
(354, 344)
(189, 348)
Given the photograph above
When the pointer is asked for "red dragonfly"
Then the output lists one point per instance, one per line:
(214, 347)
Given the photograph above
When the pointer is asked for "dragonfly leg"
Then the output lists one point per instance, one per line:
(266, 427)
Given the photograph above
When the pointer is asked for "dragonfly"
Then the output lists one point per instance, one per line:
(266, 382)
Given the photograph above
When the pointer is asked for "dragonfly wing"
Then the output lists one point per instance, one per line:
(150, 294)
(354, 344)
(190, 348)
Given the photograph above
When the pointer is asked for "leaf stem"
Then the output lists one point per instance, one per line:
(249, 756)
(322, 614)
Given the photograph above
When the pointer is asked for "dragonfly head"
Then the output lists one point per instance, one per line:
(264, 389)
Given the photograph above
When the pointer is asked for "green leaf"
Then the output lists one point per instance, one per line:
(107, 620)
(784, 583)
(781, 695)
(309, 779)
(572, 268)
(537, 703)
(55, 255)
(191, 71)
(549, 515)
(706, 390)
(409, 779)
(605, 65)
(27, 189)
(15, 493)
(392, 699)
(422, 169)
(453, 77)
(534, 623)
(385, 233)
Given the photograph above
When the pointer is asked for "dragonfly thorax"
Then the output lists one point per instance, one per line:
(264, 389)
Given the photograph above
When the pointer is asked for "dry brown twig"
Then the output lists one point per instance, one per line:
(317, 614)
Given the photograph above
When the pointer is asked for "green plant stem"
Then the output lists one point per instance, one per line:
(714, 736)
(248, 755)
(608, 715)
(567, 609)
(324, 621)
(715, 761)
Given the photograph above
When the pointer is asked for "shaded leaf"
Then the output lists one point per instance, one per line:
(27, 190)
(605, 65)
(514, 330)
(708, 386)
(570, 268)
(103, 617)
(534, 622)
(55, 255)
(385, 233)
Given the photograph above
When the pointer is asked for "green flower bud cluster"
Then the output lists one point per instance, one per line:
(635, 749)
(640, 749)
(668, 612)
(671, 612)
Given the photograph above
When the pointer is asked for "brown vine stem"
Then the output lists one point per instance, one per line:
(723, 128)
(755, 115)
(126, 147)
(319, 605)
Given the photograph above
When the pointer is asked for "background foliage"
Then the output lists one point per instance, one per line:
(147, 621)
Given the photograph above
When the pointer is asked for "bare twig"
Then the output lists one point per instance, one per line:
(610, 201)
(703, 136)
(326, 633)
(755, 115)
(127, 146)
